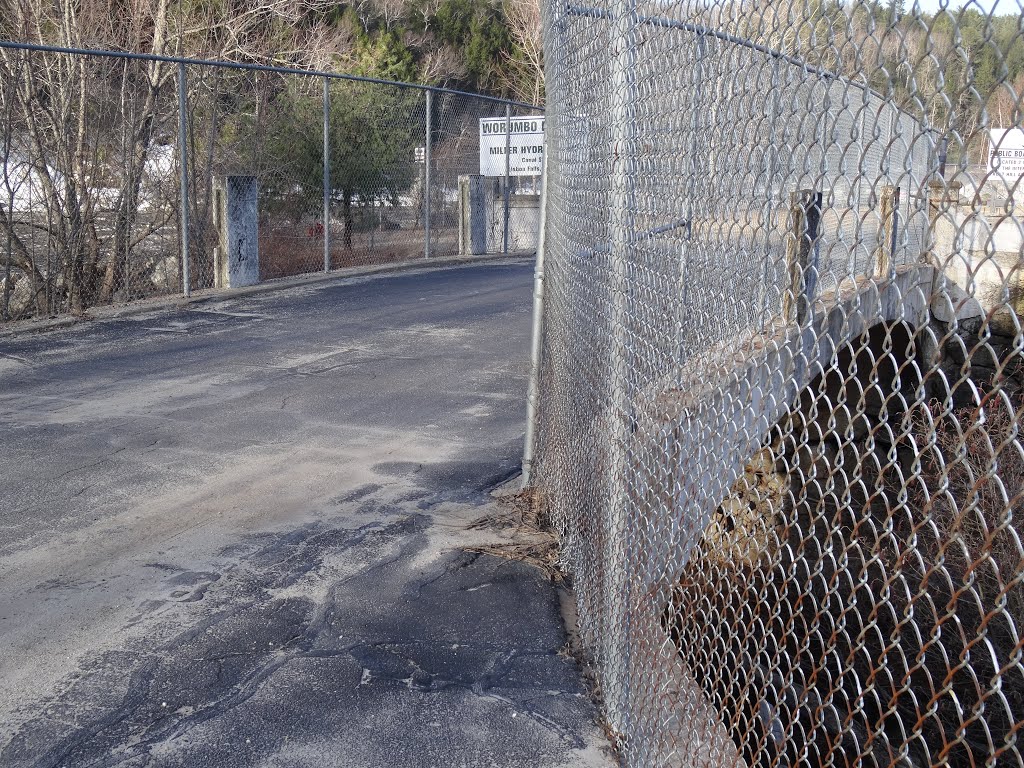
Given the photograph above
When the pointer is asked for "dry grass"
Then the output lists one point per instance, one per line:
(972, 481)
(287, 250)
(936, 547)
(522, 519)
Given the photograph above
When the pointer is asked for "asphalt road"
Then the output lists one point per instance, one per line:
(232, 535)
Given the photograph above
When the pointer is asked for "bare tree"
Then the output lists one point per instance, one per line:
(527, 61)
(1004, 105)
(390, 12)
(87, 127)
(424, 11)
(63, 107)
(440, 66)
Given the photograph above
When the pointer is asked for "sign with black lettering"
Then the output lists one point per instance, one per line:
(1006, 153)
(523, 138)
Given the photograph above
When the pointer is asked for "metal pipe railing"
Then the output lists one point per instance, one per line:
(327, 174)
(186, 277)
(537, 342)
(184, 60)
(426, 177)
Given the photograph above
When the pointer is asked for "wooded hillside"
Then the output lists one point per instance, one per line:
(486, 46)
(959, 71)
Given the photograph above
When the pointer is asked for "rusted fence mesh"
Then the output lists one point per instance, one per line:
(782, 373)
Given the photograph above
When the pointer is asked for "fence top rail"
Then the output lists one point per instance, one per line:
(702, 30)
(14, 45)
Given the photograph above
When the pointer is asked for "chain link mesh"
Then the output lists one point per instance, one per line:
(782, 377)
(90, 199)
(87, 192)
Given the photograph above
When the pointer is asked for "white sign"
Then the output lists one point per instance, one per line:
(1006, 153)
(525, 143)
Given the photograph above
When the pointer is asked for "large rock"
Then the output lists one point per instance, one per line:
(165, 276)
(22, 297)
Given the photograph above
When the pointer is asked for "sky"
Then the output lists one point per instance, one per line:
(1001, 6)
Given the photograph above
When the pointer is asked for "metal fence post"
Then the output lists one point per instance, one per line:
(327, 175)
(537, 344)
(505, 202)
(692, 170)
(802, 254)
(770, 191)
(618, 549)
(186, 280)
(426, 175)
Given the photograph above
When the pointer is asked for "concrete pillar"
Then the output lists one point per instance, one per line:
(523, 223)
(494, 214)
(802, 255)
(473, 208)
(888, 232)
(482, 217)
(236, 219)
(943, 215)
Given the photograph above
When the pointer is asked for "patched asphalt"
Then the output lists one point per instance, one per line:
(235, 535)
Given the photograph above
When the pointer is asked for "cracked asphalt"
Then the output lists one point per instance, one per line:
(235, 535)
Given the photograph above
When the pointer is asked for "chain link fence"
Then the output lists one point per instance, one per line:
(781, 377)
(97, 149)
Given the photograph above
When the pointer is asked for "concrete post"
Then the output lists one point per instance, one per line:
(885, 250)
(802, 255)
(524, 223)
(943, 198)
(236, 217)
(494, 213)
(472, 215)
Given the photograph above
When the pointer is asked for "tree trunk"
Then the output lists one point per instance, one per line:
(128, 205)
(135, 164)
